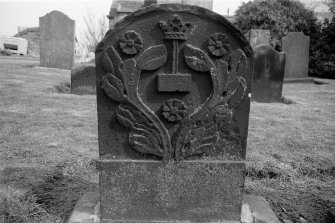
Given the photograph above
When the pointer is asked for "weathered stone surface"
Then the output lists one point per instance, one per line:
(269, 67)
(296, 47)
(83, 79)
(188, 191)
(170, 141)
(174, 83)
(258, 36)
(57, 32)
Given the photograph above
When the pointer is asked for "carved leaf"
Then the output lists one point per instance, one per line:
(107, 63)
(113, 87)
(143, 137)
(145, 140)
(197, 59)
(111, 58)
(130, 117)
(200, 140)
(152, 58)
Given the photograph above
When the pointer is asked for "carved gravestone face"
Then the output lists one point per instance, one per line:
(173, 84)
(269, 67)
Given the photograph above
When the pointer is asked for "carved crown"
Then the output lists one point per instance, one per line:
(175, 28)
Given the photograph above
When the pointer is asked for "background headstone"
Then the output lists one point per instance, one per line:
(269, 67)
(258, 36)
(296, 47)
(173, 153)
(83, 79)
(122, 8)
(57, 40)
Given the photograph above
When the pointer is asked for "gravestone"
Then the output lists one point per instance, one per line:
(173, 87)
(83, 79)
(258, 36)
(269, 67)
(57, 45)
(296, 47)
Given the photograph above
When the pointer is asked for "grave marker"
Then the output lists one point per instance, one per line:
(83, 79)
(258, 36)
(57, 32)
(173, 153)
(269, 67)
(296, 47)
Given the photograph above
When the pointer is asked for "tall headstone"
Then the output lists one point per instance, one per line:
(296, 47)
(258, 36)
(57, 40)
(122, 8)
(173, 87)
(83, 79)
(269, 67)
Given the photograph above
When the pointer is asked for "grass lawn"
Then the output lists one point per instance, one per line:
(48, 144)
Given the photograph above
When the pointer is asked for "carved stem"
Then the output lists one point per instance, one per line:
(198, 114)
(175, 53)
(136, 101)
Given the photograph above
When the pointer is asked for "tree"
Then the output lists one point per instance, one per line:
(96, 28)
(279, 17)
(331, 4)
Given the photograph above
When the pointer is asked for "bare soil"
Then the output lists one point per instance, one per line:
(48, 147)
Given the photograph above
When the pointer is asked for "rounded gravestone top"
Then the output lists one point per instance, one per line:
(176, 66)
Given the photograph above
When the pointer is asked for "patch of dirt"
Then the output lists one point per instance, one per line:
(62, 88)
(59, 193)
(287, 101)
(293, 204)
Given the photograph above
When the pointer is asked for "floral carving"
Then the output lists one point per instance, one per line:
(219, 45)
(131, 42)
(197, 133)
(174, 110)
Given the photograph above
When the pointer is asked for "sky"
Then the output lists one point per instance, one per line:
(26, 13)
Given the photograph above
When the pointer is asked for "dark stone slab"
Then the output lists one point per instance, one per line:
(188, 191)
(57, 45)
(296, 47)
(83, 79)
(269, 67)
(258, 36)
(173, 135)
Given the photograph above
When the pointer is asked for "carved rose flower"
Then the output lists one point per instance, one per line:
(131, 42)
(218, 44)
(174, 110)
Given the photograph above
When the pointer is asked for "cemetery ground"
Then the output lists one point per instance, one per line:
(48, 144)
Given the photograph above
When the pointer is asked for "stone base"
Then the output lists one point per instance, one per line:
(151, 191)
(299, 80)
(254, 209)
